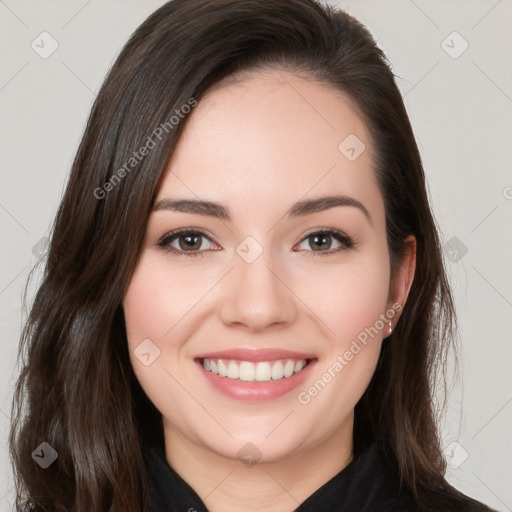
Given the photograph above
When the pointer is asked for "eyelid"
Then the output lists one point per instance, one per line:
(322, 229)
(191, 229)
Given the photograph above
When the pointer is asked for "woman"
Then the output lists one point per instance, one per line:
(253, 134)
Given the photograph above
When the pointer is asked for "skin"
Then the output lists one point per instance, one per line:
(258, 145)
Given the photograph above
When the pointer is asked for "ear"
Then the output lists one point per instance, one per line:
(404, 276)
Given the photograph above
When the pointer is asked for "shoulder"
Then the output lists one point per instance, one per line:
(450, 499)
(445, 498)
(432, 502)
(394, 497)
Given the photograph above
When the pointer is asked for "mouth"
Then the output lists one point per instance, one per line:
(255, 375)
(250, 371)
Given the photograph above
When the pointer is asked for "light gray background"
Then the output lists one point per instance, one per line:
(460, 109)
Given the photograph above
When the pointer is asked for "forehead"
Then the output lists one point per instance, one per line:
(270, 140)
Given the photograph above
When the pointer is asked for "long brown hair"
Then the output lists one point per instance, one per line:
(77, 390)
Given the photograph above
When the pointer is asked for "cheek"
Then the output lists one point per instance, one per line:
(348, 299)
(158, 298)
(158, 306)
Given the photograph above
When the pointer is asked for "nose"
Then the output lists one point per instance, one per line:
(257, 296)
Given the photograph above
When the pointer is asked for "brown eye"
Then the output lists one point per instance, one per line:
(321, 241)
(192, 242)
(185, 242)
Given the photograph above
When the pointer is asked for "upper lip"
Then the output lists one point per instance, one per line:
(255, 355)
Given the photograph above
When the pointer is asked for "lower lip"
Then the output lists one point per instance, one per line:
(256, 391)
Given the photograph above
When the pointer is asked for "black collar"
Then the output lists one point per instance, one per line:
(366, 484)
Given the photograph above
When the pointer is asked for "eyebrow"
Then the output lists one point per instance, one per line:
(301, 208)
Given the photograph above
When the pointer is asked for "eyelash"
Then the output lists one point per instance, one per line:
(163, 243)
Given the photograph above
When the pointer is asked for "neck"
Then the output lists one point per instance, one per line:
(228, 485)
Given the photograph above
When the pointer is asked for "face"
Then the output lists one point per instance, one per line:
(284, 300)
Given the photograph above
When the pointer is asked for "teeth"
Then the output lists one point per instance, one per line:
(277, 370)
(249, 372)
(289, 368)
(233, 370)
(223, 369)
(263, 372)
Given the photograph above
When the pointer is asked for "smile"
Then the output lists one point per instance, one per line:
(255, 374)
(248, 371)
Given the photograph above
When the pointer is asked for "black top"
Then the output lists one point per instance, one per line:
(366, 484)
